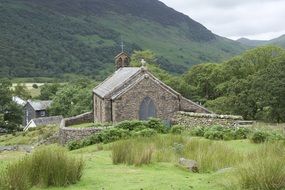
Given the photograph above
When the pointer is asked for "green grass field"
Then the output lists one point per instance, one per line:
(101, 173)
(164, 172)
(34, 92)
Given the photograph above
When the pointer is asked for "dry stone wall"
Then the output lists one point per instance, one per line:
(190, 119)
(67, 134)
(76, 120)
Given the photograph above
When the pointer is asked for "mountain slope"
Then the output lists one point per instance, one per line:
(280, 41)
(48, 38)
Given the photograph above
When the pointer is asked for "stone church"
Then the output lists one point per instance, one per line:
(133, 93)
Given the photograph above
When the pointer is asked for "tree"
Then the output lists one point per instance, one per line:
(269, 87)
(73, 99)
(22, 91)
(10, 112)
(48, 91)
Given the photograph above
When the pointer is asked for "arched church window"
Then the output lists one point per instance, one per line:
(147, 109)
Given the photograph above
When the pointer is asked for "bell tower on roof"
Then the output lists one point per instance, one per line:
(122, 59)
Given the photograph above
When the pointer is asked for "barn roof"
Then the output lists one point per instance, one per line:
(40, 105)
(116, 80)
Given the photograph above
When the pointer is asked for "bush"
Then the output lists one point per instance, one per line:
(275, 136)
(47, 166)
(259, 136)
(241, 133)
(130, 125)
(35, 86)
(263, 169)
(73, 145)
(197, 131)
(221, 133)
(157, 125)
(215, 133)
(132, 152)
(177, 129)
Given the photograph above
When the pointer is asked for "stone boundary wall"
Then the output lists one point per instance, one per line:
(67, 134)
(76, 120)
(190, 119)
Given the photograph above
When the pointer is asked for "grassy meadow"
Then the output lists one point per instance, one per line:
(152, 162)
(34, 92)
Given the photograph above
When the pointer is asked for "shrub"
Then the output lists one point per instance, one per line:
(275, 136)
(157, 125)
(215, 133)
(259, 136)
(35, 86)
(132, 152)
(263, 169)
(197, 131)
(130, 125)
(241, 132)
(177, 129)
(47, 166)
(73, 145)
(221, 133)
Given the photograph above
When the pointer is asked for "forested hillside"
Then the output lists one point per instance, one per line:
(49, 38)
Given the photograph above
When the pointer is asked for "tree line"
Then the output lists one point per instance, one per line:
(251, 85)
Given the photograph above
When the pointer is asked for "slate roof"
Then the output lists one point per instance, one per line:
(40, 105)
(116, 80)
(19, 101)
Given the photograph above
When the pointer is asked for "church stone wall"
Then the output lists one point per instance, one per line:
(102, 109)
(128, 105)
(189, 119)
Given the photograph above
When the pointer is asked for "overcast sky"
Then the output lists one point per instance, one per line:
(254, 19)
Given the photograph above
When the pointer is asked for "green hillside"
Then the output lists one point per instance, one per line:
(280, 41)
(55, 37)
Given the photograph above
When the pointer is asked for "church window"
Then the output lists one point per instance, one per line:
(147, 109)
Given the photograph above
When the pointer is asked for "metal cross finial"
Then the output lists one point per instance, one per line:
(122, 46)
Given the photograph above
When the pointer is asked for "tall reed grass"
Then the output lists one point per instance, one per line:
(263, 169)
(210, 155)
(132, 152)
(47, 166)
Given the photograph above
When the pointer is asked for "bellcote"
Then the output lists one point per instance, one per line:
(122, 60)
